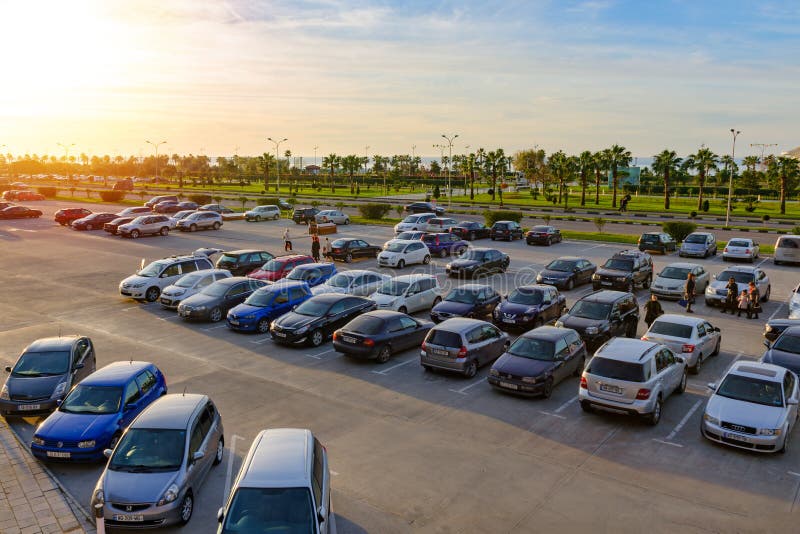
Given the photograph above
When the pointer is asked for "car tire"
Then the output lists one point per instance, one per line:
(263, 326)
(697, 366)
(186, 508)
(316, 338)
(586, 406)
(426, 260)
(655, 416)
(442, 253)
(570, 284)
(384, 354)
(220, 453)
(765, 298)
(134, 234)
(548, 388)
(647, 283)
(549, 242)
(164, 231)
(493, 238)
(152, 294)
(193, 228)
(724, 258)
(346, 221)
(631, 288)
(348, 258)
(216, 225)
(471, 370)
(785, 448)
(401, 264)
(682, 386)
(777, 262)
(580, 367)
(258, 218)
(215, 315)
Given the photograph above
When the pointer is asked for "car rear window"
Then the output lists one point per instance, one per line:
(738, 243)
(671, 329)
(444, 338)
(615, 369)
(365, 324)
(649, 238)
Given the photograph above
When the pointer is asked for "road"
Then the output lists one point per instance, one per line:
(409, 450)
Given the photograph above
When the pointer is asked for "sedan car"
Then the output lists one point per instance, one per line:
(190, 284)
(23, 196)
(469, 300)
(528, 307)
(716, 292)
(179, 216)
(19, 212)
(334, 216)
(669, 283)
(279, 267)
(699, 244)
(567, 272)
(444, 244)
(65, 216)
(242, 262)
(218, 208)
(378, 334)
(794, 303)
(753, 407)
(257, 312)
(462, 345)
(691, 337)
(470, 230)
(399, 253)
(740, 248)
(424, 207)
(539, 360)
(785, 351)
(113, 226)
(477, 262)
(95, 221)
(167, 206)
(316, 319)
(543, 235)
(313, 274)
(509, 230)
(408, 293)
(213, 302)
(355, 282)
(348, 249)
(413, 223)
(658, 242)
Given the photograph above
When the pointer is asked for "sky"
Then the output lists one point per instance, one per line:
(219, 77)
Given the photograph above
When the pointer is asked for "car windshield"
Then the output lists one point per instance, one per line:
(665, 328)
(534, 349)
(590, 310)
(365, 324)
(393, 288)
(411, 219)
(264, 510)
(529, 297)
(696, 239)
(472, 254)
(787, 343)
(215, 290)
(144, 449)
(154, 269)
(272, 266)
(46, 363)
(190, 279)
(340, 280)
(739, 243)
(182, 214)
(229, 258)
(302, 274)
(741, 277)
(675, 273)
(407, 235)
(92, 399)
(616, 370)
(313, 308)
(563, 266)
(261, 298)
(395, 247)
(744, 388)
(463, 296)
(619, 265)
(339, 243)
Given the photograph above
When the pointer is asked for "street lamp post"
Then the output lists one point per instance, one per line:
(277, 162)
(156, 145)
(449, 163)
(735, 134)
(66, 158)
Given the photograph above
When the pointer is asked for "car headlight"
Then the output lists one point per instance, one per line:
(170, 495)
(559, 324)
(712, 420)
(769, 431)
(539, 278)
(621, 278)
(177, 292)
(447, 266)
(768, 328)
(99, 496)
(592, 330)
(4, 393)
(301, 330)
(494, 372)
(710, 290)
(37, 441)
(529, 379)
(595, 276)
(60, 388)
(88, 444)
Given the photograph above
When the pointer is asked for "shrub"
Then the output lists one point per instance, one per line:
(111, 196)
(679, 229)
(692, 215)
(47, 191)
(765, 218)
(217, 199)
(600, 223)
(796, 230)
(492, 217)
(374, 210)
(199, 198)
(705, 205)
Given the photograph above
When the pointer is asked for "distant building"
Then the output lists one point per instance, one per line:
(625, 175)
(312, 169)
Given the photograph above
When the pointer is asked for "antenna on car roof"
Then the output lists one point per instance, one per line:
(184, 390)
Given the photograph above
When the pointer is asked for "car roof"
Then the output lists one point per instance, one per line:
(701, 233)
(412, 277)
(625, 349)
(282, 284)
(742, 238)
(569, 258)
(677, 318)
(547, 332)
(652, 233)
(330, 298)
(279, 458)
(483, 249)
(384, 314)
(472, 287)
(233, 280)
(290, 257)
(537, 287)
(683, 265)
(458, 324)
(242, 251)
(630, 253)
(503, 222)
(172, 411)
(758, 370)
(604, 295)
(115, 373)
(357, 272)
(52, 343)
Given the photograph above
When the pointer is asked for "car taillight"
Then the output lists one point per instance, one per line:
(687, 348)
(368, 342)
(336, 336)
(643, 394)
(424, 346)
(747, 251)
(462, 352)
(584, 384)
(644, 338)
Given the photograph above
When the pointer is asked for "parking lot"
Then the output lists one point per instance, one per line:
(409, 450)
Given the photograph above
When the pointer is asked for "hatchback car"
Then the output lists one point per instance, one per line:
(95, 221)
(408, 293)
(424, 207)
(65, 216)
(355, 282)
(348, 249)
(602, 315)
(633, 377)
(279, 267)
(213, 302)
(399, 253)
(657, 242)
(539, 360)
(146, 225)
(200, 220)
(304, 215)
(157, 469)
(444, 244)
(257, 312)
(753, 407)
(509, 230)
(469, 300)
(97, 411)
(190, 284)
(470, 230)
(691, 337)
(134, 211)
(716, 293)
(260, 213)
(567, 272)
(477, 262)
(284, 484)
(785, 351)
(378, 334)
(543, 235)
(462, 345)
(19, 212)
(44, 373)
(741, 248)
(699, 244)
(313, 274)
(316, 319)
(217, 208)
(439, 224)
(528, 307)
(414, 223)
(148, 282)
(787, 249)
(334, 216)
(669, 283)
(243, 262)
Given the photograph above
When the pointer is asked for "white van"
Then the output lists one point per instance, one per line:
(787, 249)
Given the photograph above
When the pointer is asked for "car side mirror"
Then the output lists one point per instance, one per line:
(716, 329)
(128, 407)
(322, 513)
(8, 368)
(712, 386)
(197, 455)
(791, 402)
(679, 359)
(220, 515)
(107, 453)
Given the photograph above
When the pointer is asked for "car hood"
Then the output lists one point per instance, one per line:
(325, 288)
(77, 426)
(520, 366)
(603, 271)
(240, 310)
(293, 321)
(547, 273)
(387, 254)
(178, 291)
(125, 487)
(787, 360)
(456, 308)
(720, 284)
(517, 309)
(744, 413)
(34, 387)
(581, 323)
(464, 263)
(199, 299)
(135, 279)
(382, 298)
(669, 283)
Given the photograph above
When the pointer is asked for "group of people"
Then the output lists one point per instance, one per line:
(315, 246)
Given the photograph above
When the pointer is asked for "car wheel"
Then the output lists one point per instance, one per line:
(89, 227)
(549, 242)
(258, 218)
(193, 228)
(698, 366)
(164, 231)
(655, 416)
(384, 354)
(346, 222)
(766, 295)
(785, 448)
(777, 262)
(647, 283)
(216, 225)
(316, 338)
(724, 258)
(152, 294)
(548, 388)
(220, 451)
(401, 264)
(215, 315)
(348, 258)
(682, 385)
(471, 236)
(263, 326)
(187, 507)
(586, 406)
(426, 260)
(442, 253)
(134, 234)
(471, 370)
(570, 284)
(716, 348)
(663, 250)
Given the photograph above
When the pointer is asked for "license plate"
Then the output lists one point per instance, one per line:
(126, 293)
(508, 385)
(439, 352)
(128, 517)
(730, 435)
(605, 283)
(506, 320)
(279, 334)
(611, 389)
(28, 407)
(348, 339)
(233, 322)
(57, 454)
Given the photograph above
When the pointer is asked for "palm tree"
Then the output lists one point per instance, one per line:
(785, 169)
(703, 161)
(331, 162)
(618, 156)
(665, 163)
(585, 164)
(350, 164)
(600, 166)
(471, 165)
(493, 162)
(558, 164)
(267, 161)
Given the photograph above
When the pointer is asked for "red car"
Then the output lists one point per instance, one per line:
(67, 215)
(277, 268)
(19, 212)
(29, 195)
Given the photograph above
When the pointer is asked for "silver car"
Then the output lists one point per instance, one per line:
(190, 284)
(356, 282)
(633, 377)
(754, 407)
(334, 216)
(699, 245)
(669, 283)
(200, 220)
(158, 466)
(741, 248)
(146, 225)
(462, 345)
(692, 337)
(716, 291)
(259, 213)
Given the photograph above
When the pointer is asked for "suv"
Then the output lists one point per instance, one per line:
(462, 345)
(243, 262)
(200, 220)
(505, 230)
(168, 450)
(599, 316)
(408, 293)
(263, 212)
(162, 198)
(144, 225)
(284, 482)
(147, 283)
(657, 241)
(304, 215)
(633, 377)
(67, 215)
(443, 244)
(413, 222)
(624, 271)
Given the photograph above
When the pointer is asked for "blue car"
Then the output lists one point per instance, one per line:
(313, 274)
(97, 411)
(257, 312)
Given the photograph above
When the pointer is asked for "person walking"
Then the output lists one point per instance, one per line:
(743, 303)
(287, 241)
(315, 247)
(688, 292)
(730, 297)
(755, 301)
(652, 310)
(327, 249)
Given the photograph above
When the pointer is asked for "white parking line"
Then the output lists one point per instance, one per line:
(261, 340)
(229, 472)
(463, 390)
(210, 328)
(684, 420)
(550, 414)
(668, 442)
(762, 262)
(386, 371)
(566, 404)
(169, 318)
(130, 308)
(594, 247)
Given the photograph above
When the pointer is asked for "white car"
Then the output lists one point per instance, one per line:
(399, 253)
(408, 293)
(334, 216)
(148, 282)
(146, 225)
(413, 222)
(794, 304)
(740, 248)
(189, 284)
(439, 225)
(743, 275)
(670, 281)
(754, 407)
(692, 338)
(260, 213)
(357, 282)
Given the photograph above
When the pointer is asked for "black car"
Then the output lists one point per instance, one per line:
(538, 360)
(599, 316)
(282, 204)
(219, 208)
(529, 307)
(658, 242)
(113, 226)
(478, 262)
(167, 206)
(510, 230)
(785, 351)
(470, 230)
(304, 215)
(775, 327)
(470, 300)
(378, 334)
(213, 302)
(161, 198)
(624, 271)
(316, 319)
(423, 207)
(567, 272)
(19, 212)
(95, 221)
(243, 262)
(349, 249)
(543, 235)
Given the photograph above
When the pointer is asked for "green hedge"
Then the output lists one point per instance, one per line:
(492, 217)
(374, 211)
(48, 191)
(111, 196)
(200, 198)
(679, 229)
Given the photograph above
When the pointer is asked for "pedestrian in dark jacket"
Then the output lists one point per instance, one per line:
(652, 310)
(315, 247)
(731, 296)
(688, 292)
(754, 295)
